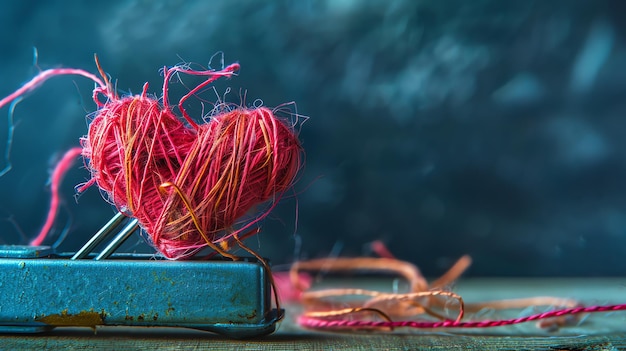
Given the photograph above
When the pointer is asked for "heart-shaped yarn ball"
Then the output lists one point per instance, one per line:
(188, 185)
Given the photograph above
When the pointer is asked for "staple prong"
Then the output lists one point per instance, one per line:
(100, 236)
(119, 239)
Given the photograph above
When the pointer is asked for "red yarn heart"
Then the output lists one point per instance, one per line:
(188, 184)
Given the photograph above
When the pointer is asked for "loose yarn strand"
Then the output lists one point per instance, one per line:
(57, 177)
(310, 321)
(339, 308)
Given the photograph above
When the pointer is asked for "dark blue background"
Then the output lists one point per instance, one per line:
(494, 128)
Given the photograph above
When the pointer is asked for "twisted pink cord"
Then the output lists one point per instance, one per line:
(317, 323)
(55, 182)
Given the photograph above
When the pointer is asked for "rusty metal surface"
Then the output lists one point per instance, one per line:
(230, 298)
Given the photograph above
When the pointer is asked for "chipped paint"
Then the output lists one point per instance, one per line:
(81, 319)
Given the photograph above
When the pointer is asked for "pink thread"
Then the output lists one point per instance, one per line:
(55, 181)
(286, 291)
(318, 323)
(47, 74)
(380, 249)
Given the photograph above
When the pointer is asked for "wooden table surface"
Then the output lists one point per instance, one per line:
(602, 331)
